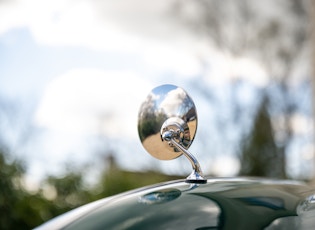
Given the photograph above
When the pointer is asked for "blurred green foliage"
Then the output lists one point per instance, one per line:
(19, 209)
(22, 209)
(260, 155)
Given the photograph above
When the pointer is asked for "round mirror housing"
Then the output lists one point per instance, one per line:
(167, 125)
(164, 107)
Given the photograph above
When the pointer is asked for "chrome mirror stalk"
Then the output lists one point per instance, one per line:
(196, 175)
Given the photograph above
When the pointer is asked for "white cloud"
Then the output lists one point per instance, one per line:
(28, 13)
(226, 166)
(135, 28)
(224, 69)
(99, 25)
(172, 100)
(61, 23)
(12, 15)
(301, 124)
(91, 101)
(307, 152)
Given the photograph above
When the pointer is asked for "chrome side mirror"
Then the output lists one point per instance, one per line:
(167, 124)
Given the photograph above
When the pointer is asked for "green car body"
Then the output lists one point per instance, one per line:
(235, 203)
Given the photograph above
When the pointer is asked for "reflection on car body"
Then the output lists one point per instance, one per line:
(220, 204)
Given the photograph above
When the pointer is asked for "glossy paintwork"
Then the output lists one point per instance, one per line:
(219, 204)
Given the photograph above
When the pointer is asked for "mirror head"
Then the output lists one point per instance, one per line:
(167, 108)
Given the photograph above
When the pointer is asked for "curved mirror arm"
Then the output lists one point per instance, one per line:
(196, 175)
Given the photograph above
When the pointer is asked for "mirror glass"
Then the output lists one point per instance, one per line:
(163, 103)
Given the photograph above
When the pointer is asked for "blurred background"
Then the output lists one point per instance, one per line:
(73, 75)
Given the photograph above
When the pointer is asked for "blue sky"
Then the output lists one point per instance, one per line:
(81, 71)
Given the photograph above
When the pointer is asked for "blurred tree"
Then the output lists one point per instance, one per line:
(70, 191)
(260, 153)
(67, 192)
(19, 209)
(115, 180)
(274, 33)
